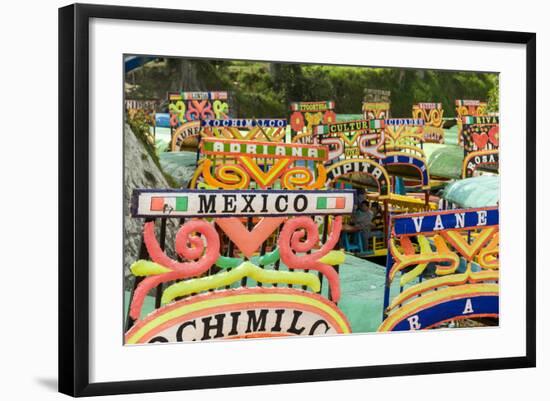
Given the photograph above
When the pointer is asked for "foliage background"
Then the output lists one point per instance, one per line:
(263, 89)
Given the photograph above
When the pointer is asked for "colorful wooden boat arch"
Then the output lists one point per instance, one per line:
(351, 139)
(407, 165)
(241, 313)
(254, 205)
(480, 139)
(265, 129)
(376, 104)
(480, 159)
(464, 108)
(432, 114)
(186, 134)
(256, 202)
(243, 164)
(304, 116)
(376, 110)
(480, 133)
(147, 107)
(191, 106)
(281, 218)
(404, 134)
(360, 167)
(462, 246)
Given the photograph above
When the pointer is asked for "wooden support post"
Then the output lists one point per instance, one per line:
(386, 218)
(162, 241)
(427, 199)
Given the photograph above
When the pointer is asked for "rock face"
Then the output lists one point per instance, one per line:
(140, 171)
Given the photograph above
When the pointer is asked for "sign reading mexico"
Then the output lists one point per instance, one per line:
(215, 203)
(241, 313)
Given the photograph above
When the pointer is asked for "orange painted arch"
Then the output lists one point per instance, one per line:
(236, 299)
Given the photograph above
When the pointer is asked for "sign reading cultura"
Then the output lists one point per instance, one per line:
(345, 126)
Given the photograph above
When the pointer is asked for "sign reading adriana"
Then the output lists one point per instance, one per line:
(216, 146)
(241, 313)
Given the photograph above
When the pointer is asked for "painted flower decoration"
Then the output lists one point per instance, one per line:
(329, 117)
(494, 135)
(297, 121)
(177, 113)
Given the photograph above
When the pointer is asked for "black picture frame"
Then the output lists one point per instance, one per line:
(74, 194)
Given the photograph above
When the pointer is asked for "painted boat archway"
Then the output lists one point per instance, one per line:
(241, 313)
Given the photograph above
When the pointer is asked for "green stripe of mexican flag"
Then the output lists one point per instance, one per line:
(331, 202)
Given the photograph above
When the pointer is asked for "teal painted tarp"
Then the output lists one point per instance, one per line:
(445, 160)
(474, 192)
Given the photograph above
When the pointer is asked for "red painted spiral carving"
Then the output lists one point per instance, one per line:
(301, 234)
(188, 246)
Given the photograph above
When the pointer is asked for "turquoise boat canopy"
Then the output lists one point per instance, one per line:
(446, 161)
(472, 192)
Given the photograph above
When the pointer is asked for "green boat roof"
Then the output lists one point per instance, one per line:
(471, 192)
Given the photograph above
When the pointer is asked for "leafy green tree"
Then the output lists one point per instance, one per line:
(262, 89)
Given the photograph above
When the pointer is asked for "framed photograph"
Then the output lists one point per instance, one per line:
(251, 199)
